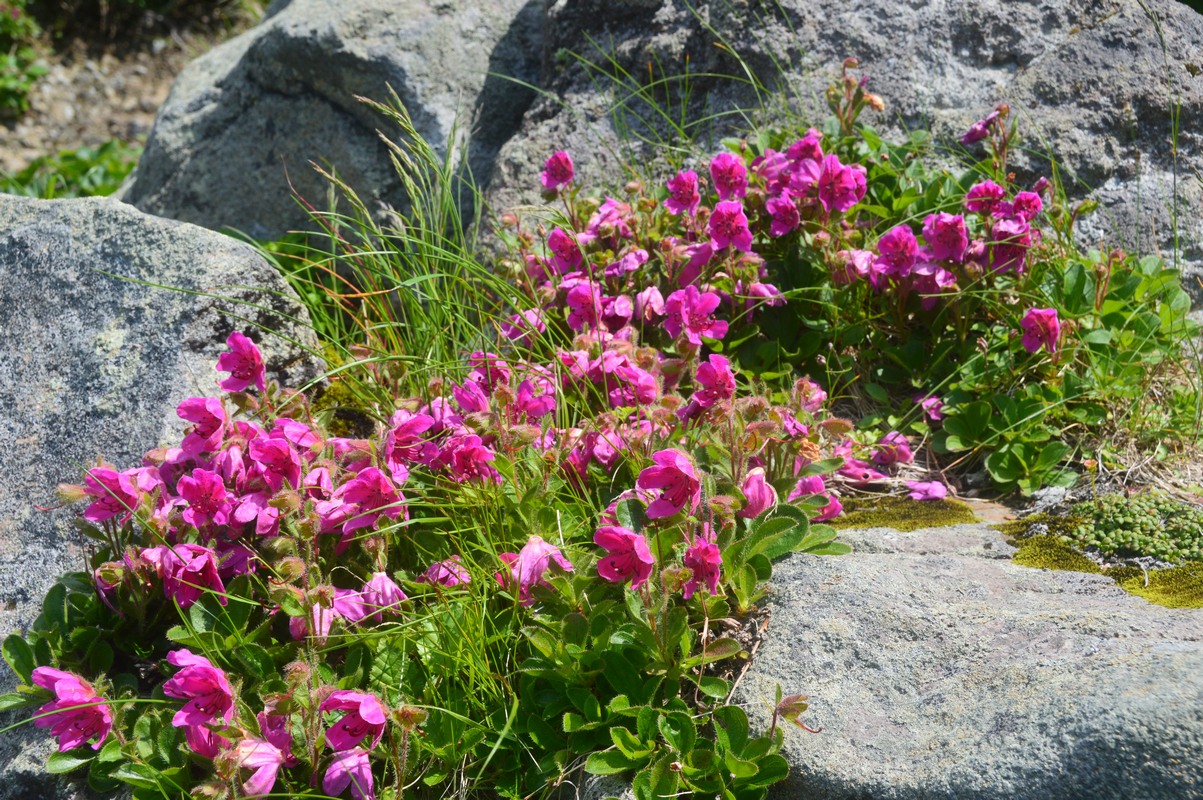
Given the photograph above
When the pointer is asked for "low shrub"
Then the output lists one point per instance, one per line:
(82, 172)
(19, 64)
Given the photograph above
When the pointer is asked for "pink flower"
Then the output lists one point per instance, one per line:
(760, 494)
(467, 457)
(406, 442)
(1041, 328)
(262, 757)
(806, 486)
(729, 226)
(1012, 237)
(317, 625)
(470, 397)
(209, 418)
(521, 326)
(932, 407)
(203, 685)
(983, 197)
(629, 558)
(675, 477)
(840, 187)
(617, 312)
(730, 176)
(374, 496)
(204, 741)
(76, 714)
(980, 129)
(446, 573)
(566, 252)
(277, 462)
(705, 562)
(946, 236)
(380, 594)
(365, 717)
(631, 261)
(808, 395)
(584, 305)
(893, 449)
(529, 405)
(715, 380)
(927, 490)
(683, 195)
(244, 363)
(830, 511)
(899, 251)
(649, 304)
(187, 571)
(692, 311)
(532, 562)
(1027, 205)
(114, 493)
(207, 499)
(808, 148)
(557, 171)
(785, 214)
(352, 767)
(275, 729)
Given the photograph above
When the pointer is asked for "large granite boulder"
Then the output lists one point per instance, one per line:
(95, 359)
(939, 669)
(243, 122)
(1112, 89)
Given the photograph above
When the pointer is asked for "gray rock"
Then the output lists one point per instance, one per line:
(938, 670)
(1094, 82)
(247, 118)
(94, 364)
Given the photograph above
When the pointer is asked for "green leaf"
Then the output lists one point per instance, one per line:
(256, 660)
(739, 768)
(13, 700)
(678, 731)
(573, 722)
(715, 651)
(631, 514)
(730, 727)
(711, 686)
(19, 656)
(608, 762)
(772, 768)
(630, 745)
(62, 763)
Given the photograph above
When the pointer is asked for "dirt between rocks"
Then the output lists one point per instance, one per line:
(90, 96)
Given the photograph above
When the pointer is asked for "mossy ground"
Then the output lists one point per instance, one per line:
(1176, 587)
(902, 513)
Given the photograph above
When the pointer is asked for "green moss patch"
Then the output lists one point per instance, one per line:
(1054, 525)
(1049, 552)
(903, 513)
(1177, 587)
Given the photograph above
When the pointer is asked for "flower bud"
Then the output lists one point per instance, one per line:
(409, 717)
(291, 569)
(296, 674)
(280, 546)
(211, 790)
(633, 187)
(836, 426)
(851, 62)
(287, 501)
(71, 493)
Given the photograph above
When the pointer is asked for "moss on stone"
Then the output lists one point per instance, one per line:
(1177, 587)
(903, 513)
(1055, 525)
(1049, 552)
(343, 411)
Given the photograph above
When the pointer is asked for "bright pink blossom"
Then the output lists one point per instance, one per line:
(584, 302)
(557, 171)
(565, 251)
(808, 148)
(617, 312)
(631, 261)
(980, 129)
(899, 251)
(927, 490)
(932, 407)
(365, 717)
(683, 195)
(203, 685)
(521, 326)
(946, 236)
(729, 227)
(76, 714)
(894, 448)
(262, 757)
(759, 493)
(470, 397)
(705, 563)
(785, 214)
(244, 363)
(277, 461)
(1041, 328)
(204, 741)
(1012, 237)
(983, 197)
(649, 304)
(730, 176)
(114, 494)
(381, 593)
(446, 573)
(187, 572)
(629, 558)
(808, 395)
(715, 381)
(840, 186)
(373, 495)
(1027, 205)
(530, 565)
(207, 498)
(209, 424)
(351, 768)
(678, 482)
(692, 312)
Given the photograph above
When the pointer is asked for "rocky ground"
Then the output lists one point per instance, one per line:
(94, 93)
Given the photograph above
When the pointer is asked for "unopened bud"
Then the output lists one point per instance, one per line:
(525, 434)
(633, 187)
(211, 790)
(409, 717)
(69, 493)
(875, 102)
(287, 501)
(296, 674)
(291, 569)
(851, 62)
(279, 546)
(509, 219)
(837, 426)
